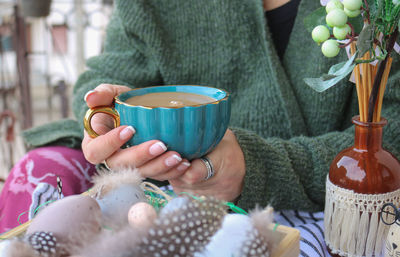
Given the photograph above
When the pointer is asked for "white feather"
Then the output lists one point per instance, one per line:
(229, 239)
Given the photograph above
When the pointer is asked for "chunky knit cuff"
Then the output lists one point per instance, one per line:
(254, 186)
(270, 176)
(287, 174)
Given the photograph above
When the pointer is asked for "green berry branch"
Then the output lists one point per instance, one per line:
(371, 46)
(337, 19)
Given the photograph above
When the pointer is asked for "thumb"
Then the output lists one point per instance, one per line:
(103, 95)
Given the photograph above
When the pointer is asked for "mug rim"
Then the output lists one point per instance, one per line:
(117, 100)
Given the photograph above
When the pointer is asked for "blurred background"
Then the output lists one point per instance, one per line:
(43, 48)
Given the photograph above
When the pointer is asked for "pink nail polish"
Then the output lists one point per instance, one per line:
(157, 148)
(127, 133)
(183, 166)
(88, 94)
(173, 160)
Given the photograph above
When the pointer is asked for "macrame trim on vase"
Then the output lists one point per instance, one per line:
(352, 221)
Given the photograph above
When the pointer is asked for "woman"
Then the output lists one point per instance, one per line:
(282, 134)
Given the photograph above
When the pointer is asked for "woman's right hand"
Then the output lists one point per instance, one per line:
(151, 158)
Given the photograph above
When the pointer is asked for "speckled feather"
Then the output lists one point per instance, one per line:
(185, 231)
(44, 243)
(261, 220)
(255, 246)
(259, 241)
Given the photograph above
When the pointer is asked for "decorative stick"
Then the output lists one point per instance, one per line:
(382, 89)
(369, 75)
(374, 69)
(364, 77)
(375, 116)
(358, 83)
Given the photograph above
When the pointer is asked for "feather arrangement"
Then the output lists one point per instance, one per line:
(185, 226)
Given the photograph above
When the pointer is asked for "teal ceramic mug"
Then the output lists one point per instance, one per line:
(191, 130)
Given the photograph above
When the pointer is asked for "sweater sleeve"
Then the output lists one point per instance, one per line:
(125, 60)
(291, 174)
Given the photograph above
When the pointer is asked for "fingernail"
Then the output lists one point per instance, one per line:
(173, 160)
(88, 94)
(127, 133)
(183, 166)
(157, 148)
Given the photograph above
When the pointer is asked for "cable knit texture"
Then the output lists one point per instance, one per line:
(289, 134)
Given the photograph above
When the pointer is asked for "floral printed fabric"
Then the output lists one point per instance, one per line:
(42, 165)
(43, 195)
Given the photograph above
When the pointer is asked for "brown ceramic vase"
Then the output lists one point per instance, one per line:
(366, 168)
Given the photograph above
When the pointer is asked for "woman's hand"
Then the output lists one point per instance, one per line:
(228, 161)
(151, 157)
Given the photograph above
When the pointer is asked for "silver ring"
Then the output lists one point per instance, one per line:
(106, 165)
(209, 166)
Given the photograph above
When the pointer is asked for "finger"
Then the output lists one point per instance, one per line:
(136, 156)
(104, 94)
(193, 181)
(102, 123)
(194, 175)
(170, 174)
(100, 148)
(148, 157)
(161, 165)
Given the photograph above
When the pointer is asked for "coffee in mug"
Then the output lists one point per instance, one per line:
(169, 99)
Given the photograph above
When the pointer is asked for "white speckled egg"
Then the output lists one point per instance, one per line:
(116, 203)
(66, 217)
(141, 215)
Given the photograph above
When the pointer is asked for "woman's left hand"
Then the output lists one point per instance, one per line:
(229, 165)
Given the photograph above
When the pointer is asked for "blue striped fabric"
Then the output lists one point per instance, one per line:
(311, 226)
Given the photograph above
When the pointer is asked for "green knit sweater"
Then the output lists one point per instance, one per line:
(289, 134)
